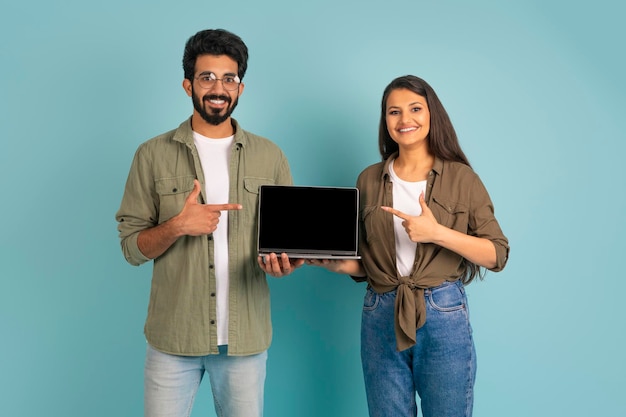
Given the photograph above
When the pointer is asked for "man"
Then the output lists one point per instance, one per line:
(190, 205)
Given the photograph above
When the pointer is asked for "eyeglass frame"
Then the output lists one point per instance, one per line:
(213, 78)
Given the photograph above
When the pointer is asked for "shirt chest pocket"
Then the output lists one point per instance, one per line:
(172, 193)
(373, 218)
(250, 197)
(452, 214)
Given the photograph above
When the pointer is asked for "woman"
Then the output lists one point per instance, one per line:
(427, 229)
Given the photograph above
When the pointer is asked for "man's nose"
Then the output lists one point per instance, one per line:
(217, 86)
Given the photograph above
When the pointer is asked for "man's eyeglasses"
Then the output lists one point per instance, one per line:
(208, 81)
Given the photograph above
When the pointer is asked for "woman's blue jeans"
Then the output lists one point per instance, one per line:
(440, 368)
(171, 383)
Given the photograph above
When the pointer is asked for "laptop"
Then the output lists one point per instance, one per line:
(311, 222)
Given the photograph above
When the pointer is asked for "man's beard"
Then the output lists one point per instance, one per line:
(213, 118)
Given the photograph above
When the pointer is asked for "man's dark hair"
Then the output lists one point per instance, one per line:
(215, 42)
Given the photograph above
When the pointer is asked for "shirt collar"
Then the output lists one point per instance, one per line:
(437, 165)
(184, 133)
(385, 171)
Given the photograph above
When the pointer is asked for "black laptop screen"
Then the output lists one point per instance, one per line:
(308, 219)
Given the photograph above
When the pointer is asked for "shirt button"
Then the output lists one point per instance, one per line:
(212, 294)
(210, 266)
(212, 321)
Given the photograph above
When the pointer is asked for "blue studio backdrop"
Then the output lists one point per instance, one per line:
(535, 89)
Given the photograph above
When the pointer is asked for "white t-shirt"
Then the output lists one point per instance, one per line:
(215, 156)
(406, 196)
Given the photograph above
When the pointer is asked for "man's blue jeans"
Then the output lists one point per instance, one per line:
(171, 383)
(440, 368)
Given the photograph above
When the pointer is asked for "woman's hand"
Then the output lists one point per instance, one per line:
(422, 228)
(425, 229)
(351, 267)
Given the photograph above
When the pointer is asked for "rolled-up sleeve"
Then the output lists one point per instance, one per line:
(137, 210)
(483, 223)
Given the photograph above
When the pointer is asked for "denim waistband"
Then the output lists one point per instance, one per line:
(458, 283)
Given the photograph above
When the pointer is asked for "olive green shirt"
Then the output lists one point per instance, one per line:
(182, 311)
(458, 200)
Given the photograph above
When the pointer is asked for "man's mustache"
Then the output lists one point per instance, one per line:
(217, 97)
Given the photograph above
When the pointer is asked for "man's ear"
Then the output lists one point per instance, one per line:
(187, 86)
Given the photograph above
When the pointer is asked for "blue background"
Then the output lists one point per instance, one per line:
(534, 88)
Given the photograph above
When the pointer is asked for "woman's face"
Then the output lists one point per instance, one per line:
(408, 118)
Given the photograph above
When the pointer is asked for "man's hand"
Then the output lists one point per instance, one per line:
(278, 267)
(201, 219)
(194, 219)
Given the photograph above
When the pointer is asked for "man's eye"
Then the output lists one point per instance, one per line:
(206, 78)
(229, 80)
